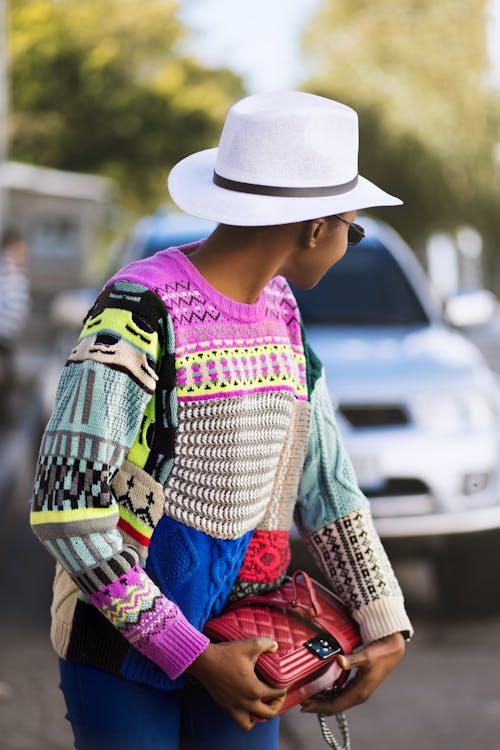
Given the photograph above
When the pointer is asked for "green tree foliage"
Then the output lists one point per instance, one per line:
(105, 86)
(417, 73)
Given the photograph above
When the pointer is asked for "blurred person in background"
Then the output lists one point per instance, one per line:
(192, 422)
(15, 303)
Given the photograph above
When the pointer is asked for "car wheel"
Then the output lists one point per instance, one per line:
(467, 571)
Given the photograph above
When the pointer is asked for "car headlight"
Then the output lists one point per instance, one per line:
(481, 410)
(448, 413)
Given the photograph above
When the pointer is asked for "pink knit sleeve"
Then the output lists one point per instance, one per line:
(153, 624)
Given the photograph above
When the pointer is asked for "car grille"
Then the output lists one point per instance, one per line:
(380, 415)
(398, 487)
(403, 496)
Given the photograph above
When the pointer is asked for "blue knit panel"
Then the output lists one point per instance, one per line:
(197, 572)
(328, 488)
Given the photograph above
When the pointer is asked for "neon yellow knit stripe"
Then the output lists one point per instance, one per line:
(278, 382)
(120, 322)
(239, 352)
(139, 452)
(65, 516)
(241, 369)
(138, 525)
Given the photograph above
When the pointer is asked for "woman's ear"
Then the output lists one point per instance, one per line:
(314, 230)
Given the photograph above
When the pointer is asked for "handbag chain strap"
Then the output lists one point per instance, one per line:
(328, 735)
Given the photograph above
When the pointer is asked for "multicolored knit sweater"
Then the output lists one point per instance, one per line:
(189, 432)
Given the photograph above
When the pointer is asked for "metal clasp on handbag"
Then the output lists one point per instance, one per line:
(323, 646)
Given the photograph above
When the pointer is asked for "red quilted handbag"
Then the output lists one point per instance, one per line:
(310, 625)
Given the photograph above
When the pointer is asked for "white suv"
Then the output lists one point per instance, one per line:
(418, 407)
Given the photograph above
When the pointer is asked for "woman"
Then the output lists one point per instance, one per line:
(192, 424)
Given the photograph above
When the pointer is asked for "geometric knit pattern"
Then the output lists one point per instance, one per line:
(128, 599)
(236, 369)
(349, 551)
(72, 484)
(106, 569)
(140, 501)
(251, 588)
(267, 557)
(189, 431)
(143, 615)
(92, 559)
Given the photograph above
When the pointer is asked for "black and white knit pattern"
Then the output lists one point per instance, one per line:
(227, 454)
(352, 556)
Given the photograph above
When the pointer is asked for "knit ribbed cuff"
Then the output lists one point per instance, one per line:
(383, 617)
(176, 648)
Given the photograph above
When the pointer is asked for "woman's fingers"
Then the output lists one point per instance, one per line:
(227, 672)
(276, 703)
(258, 646)
(356, 692)
(373, 663)
(257, 711)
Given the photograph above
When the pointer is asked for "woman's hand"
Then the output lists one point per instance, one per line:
(226, 670)
(373, 663)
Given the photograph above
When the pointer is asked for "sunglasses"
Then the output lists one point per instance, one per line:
(355, 233)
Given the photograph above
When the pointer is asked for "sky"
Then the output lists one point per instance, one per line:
(233, 35)
(267, 54)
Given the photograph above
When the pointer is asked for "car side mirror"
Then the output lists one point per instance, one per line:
(470, 307)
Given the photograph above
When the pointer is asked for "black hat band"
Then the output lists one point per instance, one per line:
(284, 192)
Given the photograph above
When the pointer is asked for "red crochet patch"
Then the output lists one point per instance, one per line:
(267, 557)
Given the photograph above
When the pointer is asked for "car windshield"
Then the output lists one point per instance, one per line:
(366, 287)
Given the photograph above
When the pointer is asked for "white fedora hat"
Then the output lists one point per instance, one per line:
(282, 157)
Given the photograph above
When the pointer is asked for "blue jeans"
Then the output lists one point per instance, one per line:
(108, 712)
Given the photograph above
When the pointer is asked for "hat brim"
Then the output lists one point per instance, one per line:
(192, 188)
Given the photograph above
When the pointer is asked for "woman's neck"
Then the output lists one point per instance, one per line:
(240, 261)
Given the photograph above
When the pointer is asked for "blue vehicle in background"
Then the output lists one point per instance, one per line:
(163, 229)
(416, 402)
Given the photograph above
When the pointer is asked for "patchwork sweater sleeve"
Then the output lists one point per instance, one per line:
(99, 421)
(334, 518)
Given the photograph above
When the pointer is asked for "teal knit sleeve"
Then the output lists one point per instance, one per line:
(333, 516)
(328, 488)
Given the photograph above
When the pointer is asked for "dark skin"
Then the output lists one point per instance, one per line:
(239, 262)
